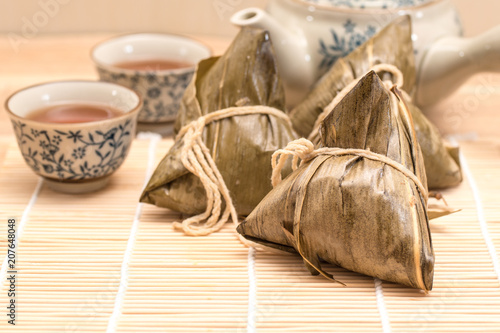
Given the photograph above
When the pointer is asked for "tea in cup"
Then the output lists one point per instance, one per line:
(157, 66)
(75, 134)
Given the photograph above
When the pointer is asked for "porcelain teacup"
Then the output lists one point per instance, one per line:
(160, 88)
(74, 157)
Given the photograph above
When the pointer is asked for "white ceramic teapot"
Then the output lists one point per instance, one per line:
(310, 35)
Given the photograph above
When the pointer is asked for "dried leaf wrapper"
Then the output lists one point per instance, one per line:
(359, 202)
(240, 145)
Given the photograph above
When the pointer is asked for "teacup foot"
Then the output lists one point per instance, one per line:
(77, 188)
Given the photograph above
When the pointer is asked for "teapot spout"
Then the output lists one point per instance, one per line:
(451, 61)
(294, 60)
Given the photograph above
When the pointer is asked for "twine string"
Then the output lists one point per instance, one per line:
(304, 149)
(196, 158)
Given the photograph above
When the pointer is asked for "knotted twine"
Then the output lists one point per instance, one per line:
(303, 149)
(196, 158)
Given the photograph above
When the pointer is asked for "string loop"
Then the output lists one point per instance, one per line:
(196, 158)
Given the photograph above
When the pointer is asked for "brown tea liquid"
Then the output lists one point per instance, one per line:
(153, 65)
(73, 113)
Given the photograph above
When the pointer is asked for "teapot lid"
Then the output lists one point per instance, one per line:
(361, 4)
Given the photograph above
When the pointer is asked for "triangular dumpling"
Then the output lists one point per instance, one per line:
(357, 212)
(241, 146)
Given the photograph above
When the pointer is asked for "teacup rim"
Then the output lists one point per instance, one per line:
(159, 71)
(135, 110)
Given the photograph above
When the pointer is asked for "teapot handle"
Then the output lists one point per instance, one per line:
(450, 61)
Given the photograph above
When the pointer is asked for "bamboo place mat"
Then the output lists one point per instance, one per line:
(101, 262)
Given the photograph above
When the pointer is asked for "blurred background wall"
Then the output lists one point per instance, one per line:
(207, 17)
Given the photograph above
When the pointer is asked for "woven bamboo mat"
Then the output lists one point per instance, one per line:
(104, 263)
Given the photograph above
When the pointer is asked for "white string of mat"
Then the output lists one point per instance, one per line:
(480, 211)
(124, 272)
(19, 230)
(384, 316)
(252, 291)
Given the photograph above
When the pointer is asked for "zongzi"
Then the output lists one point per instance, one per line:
(360, 201)
(392, 46)
(229, 124)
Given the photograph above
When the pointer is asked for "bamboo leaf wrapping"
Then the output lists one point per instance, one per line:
(351, 211)
(240, 146)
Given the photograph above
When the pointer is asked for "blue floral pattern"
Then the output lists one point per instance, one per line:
(161, 94)
(342, 44)
(43, 150)
(384, 4)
